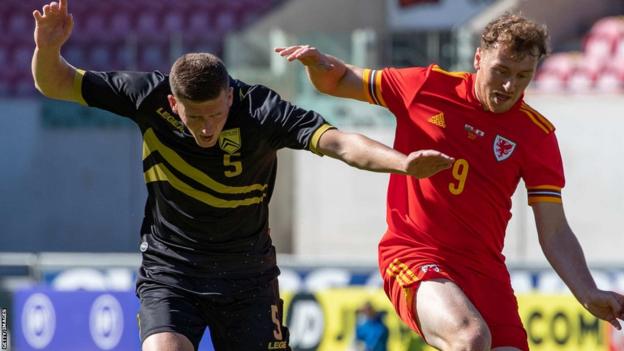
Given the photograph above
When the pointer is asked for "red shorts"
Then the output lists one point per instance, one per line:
(493, 298)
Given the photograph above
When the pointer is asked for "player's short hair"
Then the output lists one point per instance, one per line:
(519, 34)
(198, 77)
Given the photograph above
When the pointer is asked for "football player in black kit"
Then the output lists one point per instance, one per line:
(209, 161)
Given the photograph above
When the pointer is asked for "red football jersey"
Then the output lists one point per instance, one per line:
(460, 215)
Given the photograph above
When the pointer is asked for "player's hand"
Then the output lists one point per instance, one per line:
(606, 305)
(425, 163)
(308, 55)
(53, 27)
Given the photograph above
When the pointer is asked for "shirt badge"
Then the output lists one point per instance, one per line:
(230, 140)
(503, 148)
(473, 132)
(438, 120)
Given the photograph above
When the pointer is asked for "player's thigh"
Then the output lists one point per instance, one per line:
(253, 323)
(170, 316)
(447, 317)
(167, 341)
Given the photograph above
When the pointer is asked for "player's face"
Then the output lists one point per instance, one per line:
(502, 77)
(205, 119)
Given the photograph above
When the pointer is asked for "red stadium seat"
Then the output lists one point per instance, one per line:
(619, 47)
(591, 65)
(609, 27)
(581, 82)
(561, 64)
(550, 82)
(610, 82)
(599, 46)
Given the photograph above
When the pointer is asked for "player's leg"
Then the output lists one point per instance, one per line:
(169, 320)
(447, 318)
(167, 341)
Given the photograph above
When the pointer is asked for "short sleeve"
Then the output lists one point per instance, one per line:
(287, 124)
(119, 92)
(543, 171)
(393, 87)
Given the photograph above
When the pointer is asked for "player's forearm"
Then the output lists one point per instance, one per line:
(53, 76)
(326, 79)
(363, 153)
(565, 254)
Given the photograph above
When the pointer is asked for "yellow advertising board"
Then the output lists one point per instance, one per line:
(325, 321)
(559, 322)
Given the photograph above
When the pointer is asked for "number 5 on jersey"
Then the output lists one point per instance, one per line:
(460, 173)
(233, 167)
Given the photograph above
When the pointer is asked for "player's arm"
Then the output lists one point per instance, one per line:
(53, 76)
(361, 152)
(565, 254)
(328, 74)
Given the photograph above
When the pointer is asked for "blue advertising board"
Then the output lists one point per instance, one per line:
(51, 320)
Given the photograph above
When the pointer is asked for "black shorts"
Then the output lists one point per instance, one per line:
(250, 321)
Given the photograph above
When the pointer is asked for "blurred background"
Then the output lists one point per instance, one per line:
(72, 190)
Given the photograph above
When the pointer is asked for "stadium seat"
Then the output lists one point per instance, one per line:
(173, 22)
(591, 65)
(580, 82)
(619, 47)
(110, 34)
(154, 55)
(120, 24)
(599, 46)
(199, 22)
(4, 56)
(550, 82)
(19, 26)
(561, 64)
(75, 54)
(99, 56)
(610, 27)
(148, 24)
(609, 82)
(21, 56)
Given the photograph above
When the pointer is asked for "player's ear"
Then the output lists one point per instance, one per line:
(172, 103)
(230, 96)
(477, 59)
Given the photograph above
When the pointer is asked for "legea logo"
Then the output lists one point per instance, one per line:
(106, 322)
(38, 321)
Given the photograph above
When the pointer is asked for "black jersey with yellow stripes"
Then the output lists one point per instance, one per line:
(207, 208)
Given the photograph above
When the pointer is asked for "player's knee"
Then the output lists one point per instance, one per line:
(167, 341)
(473, 336)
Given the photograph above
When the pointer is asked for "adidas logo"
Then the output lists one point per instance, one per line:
(438, 120)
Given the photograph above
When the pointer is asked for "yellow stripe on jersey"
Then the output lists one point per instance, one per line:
(317, 136)
(536, 121)
(401, 272)
(372, 86)
(536, 199)
(152, 144)
(437, 68)
(539, 116)
(544, 193)
(160, 172)
(77, 88)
